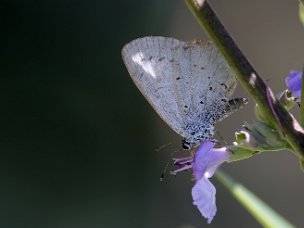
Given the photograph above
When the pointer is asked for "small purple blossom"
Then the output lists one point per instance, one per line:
(206, 161)
(294, 83)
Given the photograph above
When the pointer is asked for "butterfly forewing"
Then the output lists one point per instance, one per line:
(187, 83)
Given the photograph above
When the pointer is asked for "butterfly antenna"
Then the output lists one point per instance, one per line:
(162, 176)
(162, 146)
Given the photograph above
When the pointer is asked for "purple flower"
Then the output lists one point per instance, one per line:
(294, 83)
(206, 161)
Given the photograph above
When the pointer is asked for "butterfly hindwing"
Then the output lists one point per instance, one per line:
(187, 83)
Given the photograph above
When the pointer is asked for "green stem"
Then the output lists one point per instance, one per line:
(246, 75)
(265, 215)
(301, 12)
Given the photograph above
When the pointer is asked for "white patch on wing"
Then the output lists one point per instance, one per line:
(146, 65)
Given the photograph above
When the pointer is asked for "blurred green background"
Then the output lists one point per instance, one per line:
(77, 139)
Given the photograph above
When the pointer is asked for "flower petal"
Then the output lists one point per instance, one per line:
(201, 159)
(207, 159)
(294, 83)
(219, 155)
(203, 194)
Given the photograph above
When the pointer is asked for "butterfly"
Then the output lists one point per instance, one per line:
(187, 83)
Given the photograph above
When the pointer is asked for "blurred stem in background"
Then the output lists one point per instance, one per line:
(301, 11)
(265, 215)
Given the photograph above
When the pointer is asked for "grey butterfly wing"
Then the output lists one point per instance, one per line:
(183, 81)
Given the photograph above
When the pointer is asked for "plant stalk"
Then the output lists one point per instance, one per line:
(247, 76)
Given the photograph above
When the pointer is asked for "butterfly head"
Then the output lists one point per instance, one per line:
(186, 145)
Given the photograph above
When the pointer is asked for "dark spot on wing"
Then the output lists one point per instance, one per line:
(209, 77)
(178, 78)
(201, 102)
(202, 68)
(186, 106)
(210, 88)
(192, 133)
(223, 99)
(151, 57)
(194, 65)
(161, 58)
(223, 84)
(160, 88)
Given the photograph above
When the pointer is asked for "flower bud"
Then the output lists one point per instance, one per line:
(260, 137)
(286, 99)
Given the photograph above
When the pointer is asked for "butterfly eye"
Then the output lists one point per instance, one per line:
(185, 145)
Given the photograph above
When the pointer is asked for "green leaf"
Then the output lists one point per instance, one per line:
(264, 214)
(239, 153)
